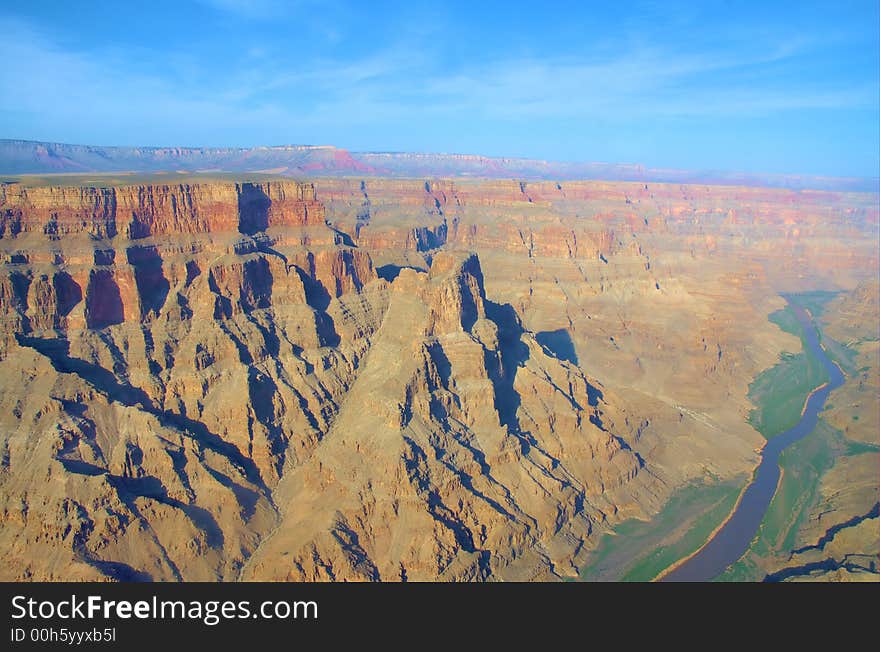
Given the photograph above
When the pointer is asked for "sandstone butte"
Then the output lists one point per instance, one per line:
(387, 379)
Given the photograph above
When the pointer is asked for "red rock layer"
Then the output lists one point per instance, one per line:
(153, 210)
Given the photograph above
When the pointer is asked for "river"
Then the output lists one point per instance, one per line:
(733, 539)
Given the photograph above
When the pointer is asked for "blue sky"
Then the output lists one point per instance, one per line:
(791, 87)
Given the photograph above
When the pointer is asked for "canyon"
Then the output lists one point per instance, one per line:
(380, 378)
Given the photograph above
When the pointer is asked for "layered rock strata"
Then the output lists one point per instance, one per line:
(382, 380)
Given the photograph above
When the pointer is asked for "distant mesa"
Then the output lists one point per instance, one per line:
(24, 157)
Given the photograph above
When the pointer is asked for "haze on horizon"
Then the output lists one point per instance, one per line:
(791, 89)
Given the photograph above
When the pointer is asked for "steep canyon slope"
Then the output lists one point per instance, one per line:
(383, 379)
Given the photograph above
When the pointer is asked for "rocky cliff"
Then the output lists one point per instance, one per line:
(381, 379)
(136, 212)
(200, 380)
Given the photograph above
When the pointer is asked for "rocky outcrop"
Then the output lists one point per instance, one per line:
(171, 349)
(464, 451)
